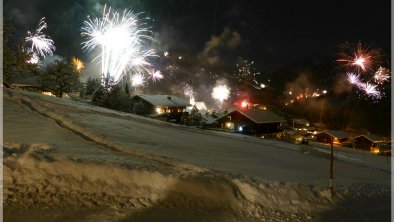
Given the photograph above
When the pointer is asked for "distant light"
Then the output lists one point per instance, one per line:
(180, 57)
(166, 54)
(262, 85)
(324, 92)
(290, 92)
(240, 129)
(159, 110)
(244, 104)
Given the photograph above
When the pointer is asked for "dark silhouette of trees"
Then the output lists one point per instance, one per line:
(60, 78)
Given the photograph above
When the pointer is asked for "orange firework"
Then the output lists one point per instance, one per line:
(77, 64)
(360, 57)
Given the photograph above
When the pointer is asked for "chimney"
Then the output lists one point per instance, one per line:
(169, 97)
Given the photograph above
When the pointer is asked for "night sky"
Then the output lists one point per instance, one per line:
(272, 33)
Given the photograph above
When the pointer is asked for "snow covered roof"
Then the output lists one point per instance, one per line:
(258, 115)
(301, 121)
(337, 133)
(371, 137)
(208, 119)
(164, 100)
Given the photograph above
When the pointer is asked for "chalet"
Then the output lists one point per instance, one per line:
(326, 136)
(368, 142)
(251, 121)
(319, 126)
(165, 107)
(300, 124)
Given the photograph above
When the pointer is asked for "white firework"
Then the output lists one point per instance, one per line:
(137, 80)
(221, 93)
(382, 75)
(123, 41)
(41, 44)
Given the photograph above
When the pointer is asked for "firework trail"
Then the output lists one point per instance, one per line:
(41, 44)
(77, 64)
(220, 93)
(123, 41)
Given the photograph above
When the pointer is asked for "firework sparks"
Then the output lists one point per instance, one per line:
(353, 78)
(123, 43)
(368, 68)
(244, 104)
(34, 59)
(156, 75)
(360, 57)
(137, 80)
(371, 90)
(245, 72)
(41, 44)
(382, 75)
(188, 90)
(77, 64)
(220, 93)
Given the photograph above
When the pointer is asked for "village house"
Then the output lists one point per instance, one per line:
(368, 142)
(338, 136)
(253, 120)
(300, 124)
(165, 107)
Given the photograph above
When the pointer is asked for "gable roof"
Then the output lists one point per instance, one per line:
(257, 115)
(164, 100)
(301, 121)
(371, 137)
(337, 133)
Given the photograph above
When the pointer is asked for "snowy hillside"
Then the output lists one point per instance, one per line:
(70, 161)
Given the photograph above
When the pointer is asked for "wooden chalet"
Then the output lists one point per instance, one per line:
(338, 136)
(165, 107)
(367, 142)
(251, 121)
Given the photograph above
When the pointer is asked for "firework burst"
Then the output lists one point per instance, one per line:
(246, 72)
(221, 93)
(137, 80)
(360, 58)
(365, 67)
(77, 64)
(123, 41)
(354, 79)
(381, 75)
(371, 90)
(156, 75)
(188, 90)
(41, 44)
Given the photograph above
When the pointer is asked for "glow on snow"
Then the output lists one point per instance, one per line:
(220, 93)
(41, 44)
(123, 42)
